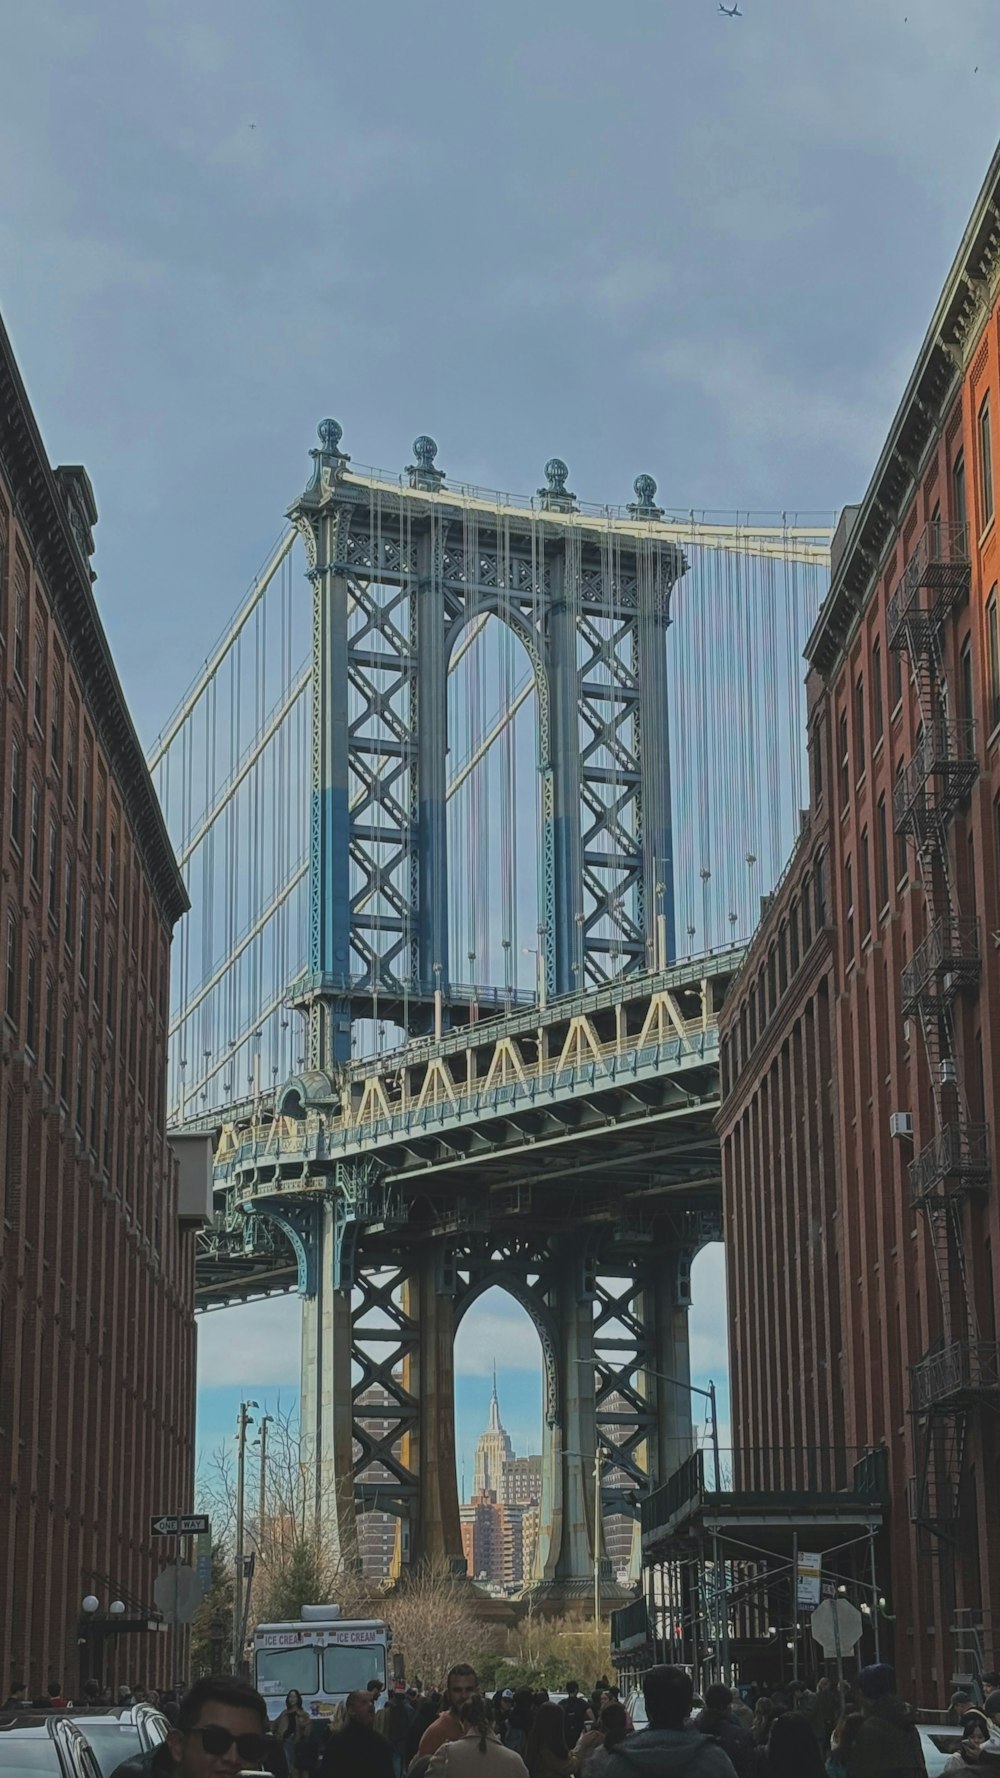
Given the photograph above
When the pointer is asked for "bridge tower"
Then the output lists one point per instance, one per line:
(398, 572)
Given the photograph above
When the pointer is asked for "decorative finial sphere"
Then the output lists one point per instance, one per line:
(330, 434)
(425, 450)
(556, 473)
(645, 489)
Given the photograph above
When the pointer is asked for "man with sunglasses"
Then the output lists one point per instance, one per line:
(221, 1731)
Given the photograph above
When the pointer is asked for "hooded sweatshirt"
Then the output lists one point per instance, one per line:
(887, 1744)
(668, 1753)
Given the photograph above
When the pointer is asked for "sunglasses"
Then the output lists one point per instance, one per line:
(216, 1740)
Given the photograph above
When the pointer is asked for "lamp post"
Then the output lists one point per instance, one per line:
(245, 1419)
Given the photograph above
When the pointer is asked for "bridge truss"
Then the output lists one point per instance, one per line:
(439, 990)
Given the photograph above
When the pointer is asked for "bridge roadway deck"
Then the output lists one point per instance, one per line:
(598, 1108)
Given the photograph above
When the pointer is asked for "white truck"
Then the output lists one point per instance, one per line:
(323, 1657)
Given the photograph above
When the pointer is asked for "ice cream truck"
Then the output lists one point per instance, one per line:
(323, 1656)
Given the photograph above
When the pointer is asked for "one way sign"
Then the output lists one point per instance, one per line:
(179, 1525)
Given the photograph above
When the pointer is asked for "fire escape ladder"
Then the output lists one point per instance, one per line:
(950, 1380)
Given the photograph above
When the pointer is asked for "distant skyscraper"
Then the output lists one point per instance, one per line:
(493, 1451)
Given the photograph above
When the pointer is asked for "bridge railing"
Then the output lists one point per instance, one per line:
(438, 1101)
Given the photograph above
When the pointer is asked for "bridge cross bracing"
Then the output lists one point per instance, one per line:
(463, 741)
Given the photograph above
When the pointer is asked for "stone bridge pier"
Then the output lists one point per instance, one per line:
(380, 1315)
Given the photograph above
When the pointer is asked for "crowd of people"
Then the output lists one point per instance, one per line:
(221, 1728)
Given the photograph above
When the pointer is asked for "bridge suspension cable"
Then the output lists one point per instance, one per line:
(233, 769)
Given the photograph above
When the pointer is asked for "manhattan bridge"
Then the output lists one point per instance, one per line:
(476, 800)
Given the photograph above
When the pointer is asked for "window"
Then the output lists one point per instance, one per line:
(84, 926)
(55, 725)
(34, 834)
(48, 1033)
(993, 659)
(882, 855)
(19, 607)
(80, 1087)
(113, 865)
(819, 890)
(958, 506)
(68, 906)
(102, 809)
(816, 761)
(878, 719)
(793, 936)
(106, 1126)
(37, 670)
(110, 985)
(64, 1058)
(74, 723)
(896, 679)
(970, 873)
(966, 710)
(53, 869)
(985, 464)
(864, 872)
(85, 795)
(859, 727)
(31, 1002)
(93, 1105)
(806, 911)
(97, 962)
(10, 986)
(16, 792)
(901, 865)
(845, 769)
(849, 908)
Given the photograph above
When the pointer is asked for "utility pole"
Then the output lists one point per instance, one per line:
(597, 1559)
(262, 1494)
(245, 1420)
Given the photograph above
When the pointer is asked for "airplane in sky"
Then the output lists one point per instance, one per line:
(731, 12)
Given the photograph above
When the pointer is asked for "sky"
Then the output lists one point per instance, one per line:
(642, 237)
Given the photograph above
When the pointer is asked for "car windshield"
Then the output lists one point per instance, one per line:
(111, 1744)
(350, 1669)
(281, 1670)
(21, 1758)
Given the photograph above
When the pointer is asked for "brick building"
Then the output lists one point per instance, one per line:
(96, 1270)
(861, 1042)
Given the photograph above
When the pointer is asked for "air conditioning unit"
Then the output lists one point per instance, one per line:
(900, 1123)
(947, 1072)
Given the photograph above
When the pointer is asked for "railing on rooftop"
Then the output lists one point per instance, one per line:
(956, 1160)
(943, 965)
(956, 1376)
(936, 578)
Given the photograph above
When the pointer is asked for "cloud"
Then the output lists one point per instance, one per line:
(497, 1331)
(253, 1346)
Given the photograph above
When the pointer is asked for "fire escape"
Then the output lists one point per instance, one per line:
(953, 1380)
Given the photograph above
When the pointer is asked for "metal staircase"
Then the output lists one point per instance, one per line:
(948, 1383)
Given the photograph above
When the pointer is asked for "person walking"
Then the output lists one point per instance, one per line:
(357, 1750)
(668, 1747)
(479, 1753)
(576, 1711)
(792, 1749)
(548, 1754)
(292, 1727)
(458, 1688)
(886, 1739)
(717, 1720)
(595, 1745)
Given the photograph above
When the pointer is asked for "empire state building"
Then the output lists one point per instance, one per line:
(493, 1452)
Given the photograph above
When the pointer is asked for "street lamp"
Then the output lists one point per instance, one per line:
(245, 1419)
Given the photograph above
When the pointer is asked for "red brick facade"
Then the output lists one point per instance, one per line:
(845, 1278)
(96, 1277)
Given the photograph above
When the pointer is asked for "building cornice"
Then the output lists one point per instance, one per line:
(43, 514)
(950, 341)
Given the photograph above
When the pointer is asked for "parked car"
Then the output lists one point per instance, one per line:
(938, 1740)
(45, 1747)
(635, 1704)
(119, 1735)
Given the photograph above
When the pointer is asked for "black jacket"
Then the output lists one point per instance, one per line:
(356, 1752)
